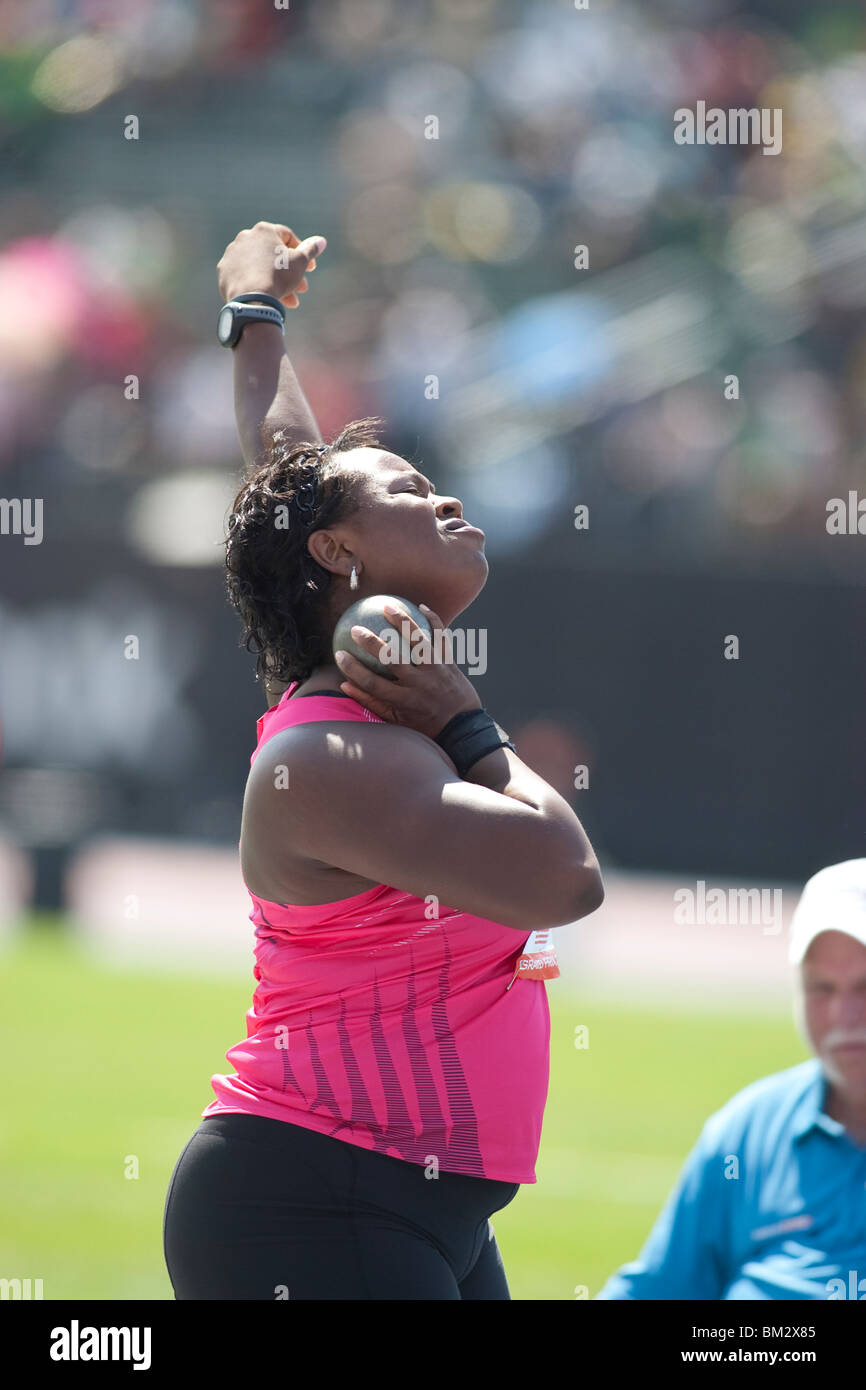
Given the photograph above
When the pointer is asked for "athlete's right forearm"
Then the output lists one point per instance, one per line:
(268, 395)
(504, 772)
(268, 259)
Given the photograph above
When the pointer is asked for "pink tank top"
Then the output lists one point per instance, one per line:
(381, 1024)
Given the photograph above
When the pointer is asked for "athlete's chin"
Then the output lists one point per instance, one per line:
(476, 578)
(475, 563)
(450, 588)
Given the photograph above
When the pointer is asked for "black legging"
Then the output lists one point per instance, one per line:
(263, 1209)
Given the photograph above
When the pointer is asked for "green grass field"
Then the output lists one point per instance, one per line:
(104, 1068)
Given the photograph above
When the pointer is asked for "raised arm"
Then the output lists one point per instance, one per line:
(270, 259)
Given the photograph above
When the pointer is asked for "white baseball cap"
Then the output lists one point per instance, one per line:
(834, 899)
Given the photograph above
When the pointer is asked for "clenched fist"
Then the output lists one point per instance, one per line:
(268, 257)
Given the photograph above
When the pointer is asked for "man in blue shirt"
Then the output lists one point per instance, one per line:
(771, 1202)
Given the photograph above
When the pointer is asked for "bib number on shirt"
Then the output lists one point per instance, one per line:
(537, 960)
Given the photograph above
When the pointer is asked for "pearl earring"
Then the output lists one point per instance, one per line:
(353, 582)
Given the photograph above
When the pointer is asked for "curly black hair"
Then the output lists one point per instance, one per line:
(279, 590)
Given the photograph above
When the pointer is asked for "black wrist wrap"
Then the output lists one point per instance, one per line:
(469, 736)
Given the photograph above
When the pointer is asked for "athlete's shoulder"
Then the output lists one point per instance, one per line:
(350, 744)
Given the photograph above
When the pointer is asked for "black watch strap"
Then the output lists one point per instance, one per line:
(241, 315)
(255, 297)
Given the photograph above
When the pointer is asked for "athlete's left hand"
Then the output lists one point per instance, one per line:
(271, 258)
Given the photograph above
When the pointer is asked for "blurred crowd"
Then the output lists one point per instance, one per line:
(454, 153)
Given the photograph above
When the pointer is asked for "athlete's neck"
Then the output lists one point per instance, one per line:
(322, 678)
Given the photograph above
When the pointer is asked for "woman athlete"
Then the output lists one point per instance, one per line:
(388, 1096)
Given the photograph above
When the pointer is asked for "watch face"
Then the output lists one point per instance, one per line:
(225, 324)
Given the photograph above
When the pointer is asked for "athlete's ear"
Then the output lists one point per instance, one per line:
(328, 550)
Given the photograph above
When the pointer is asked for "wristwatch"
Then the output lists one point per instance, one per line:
(238, 312)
